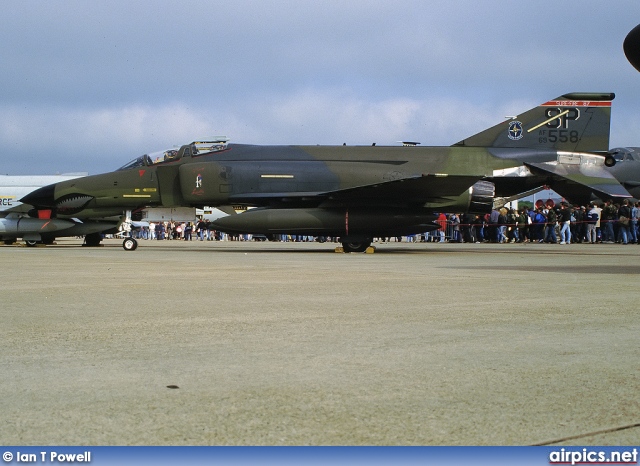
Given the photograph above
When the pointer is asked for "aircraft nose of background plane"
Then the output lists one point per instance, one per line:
(631, 47)
(41, 197)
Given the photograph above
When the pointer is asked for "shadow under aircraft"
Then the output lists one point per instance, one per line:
(357, 193)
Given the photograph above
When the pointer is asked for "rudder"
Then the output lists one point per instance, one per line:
(576, 122)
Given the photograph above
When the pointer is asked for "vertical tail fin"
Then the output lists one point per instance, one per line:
(578, 122)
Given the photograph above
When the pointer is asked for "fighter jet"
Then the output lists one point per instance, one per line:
(15, 221)
(361, 192)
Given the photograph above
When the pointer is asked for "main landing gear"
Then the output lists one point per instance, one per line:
(356, 245)
(92, 240)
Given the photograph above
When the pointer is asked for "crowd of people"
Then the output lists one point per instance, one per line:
(548, 223)
(201, 230)
(171, 230)
(544, 223)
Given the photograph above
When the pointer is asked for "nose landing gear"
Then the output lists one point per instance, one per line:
(130, 244)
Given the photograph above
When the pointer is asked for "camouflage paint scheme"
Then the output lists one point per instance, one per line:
(360, 192)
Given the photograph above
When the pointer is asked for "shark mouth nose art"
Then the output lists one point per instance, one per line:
(73, 203)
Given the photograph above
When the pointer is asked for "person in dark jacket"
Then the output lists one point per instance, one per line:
(609, 216)
(550, 231)
(624, 218)
(564, 219)
(577, 224)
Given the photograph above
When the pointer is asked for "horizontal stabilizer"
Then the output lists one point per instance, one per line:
(579, 181)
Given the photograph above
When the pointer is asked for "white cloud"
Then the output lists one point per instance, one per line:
(132, 77)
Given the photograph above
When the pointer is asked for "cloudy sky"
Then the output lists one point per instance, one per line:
(87, 86)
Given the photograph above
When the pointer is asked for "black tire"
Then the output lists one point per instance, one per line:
(355, 246)
(31, 243)
(93, 240)
(130, 244)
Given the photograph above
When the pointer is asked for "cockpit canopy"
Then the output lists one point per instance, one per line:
(622, 154)
(194, 149)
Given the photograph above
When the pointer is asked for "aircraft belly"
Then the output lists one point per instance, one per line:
(332, 222)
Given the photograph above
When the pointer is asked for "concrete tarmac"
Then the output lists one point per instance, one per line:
(233, 343)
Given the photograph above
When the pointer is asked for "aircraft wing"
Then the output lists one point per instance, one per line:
(580, 180)
(419, 189)
(405, 191)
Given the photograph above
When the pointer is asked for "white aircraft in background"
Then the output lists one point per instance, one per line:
(15, 221)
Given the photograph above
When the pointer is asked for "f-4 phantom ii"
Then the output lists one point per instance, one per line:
(361, 192)
(15, 221)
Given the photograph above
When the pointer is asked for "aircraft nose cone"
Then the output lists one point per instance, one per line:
(631, 47)
(41, 197)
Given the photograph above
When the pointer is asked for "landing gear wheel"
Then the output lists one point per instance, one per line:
(129, 244)
(355, 246)
(93, 240)
(31, 243)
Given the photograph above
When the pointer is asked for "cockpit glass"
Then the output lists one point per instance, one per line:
(139, 162)
(625, 153)
(205, 147)
(633, 154)
(152, 159)
(170, 155)
(163, 156)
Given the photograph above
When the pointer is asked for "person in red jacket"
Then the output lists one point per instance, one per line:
(442, 221)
